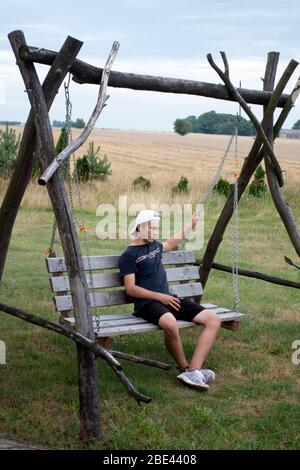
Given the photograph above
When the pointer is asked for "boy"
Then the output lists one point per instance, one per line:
(145, 279)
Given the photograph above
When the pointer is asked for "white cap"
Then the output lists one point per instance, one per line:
(144, 216)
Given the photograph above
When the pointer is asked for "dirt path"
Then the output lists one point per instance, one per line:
(9, 444)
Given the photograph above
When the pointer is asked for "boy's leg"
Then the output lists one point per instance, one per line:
(173, 339)
(211, 323)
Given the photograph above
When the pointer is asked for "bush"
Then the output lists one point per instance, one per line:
(181, 187)
(83, 169)
(182, 126)
(222, 187)
(258, 187)
(142, 183)
(9, 148)
(92, 166)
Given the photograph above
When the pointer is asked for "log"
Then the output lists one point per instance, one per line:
(140, 359)
(291, 263)
(74, 145)
(254, 274)
(86, 73)
(23, 170)
(89, 399)
(79, 340)
(253, 159)
(283, 208)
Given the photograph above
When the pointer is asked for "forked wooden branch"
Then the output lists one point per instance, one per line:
(252, 161)
(79, 339)
(101, 100)
(234, 92)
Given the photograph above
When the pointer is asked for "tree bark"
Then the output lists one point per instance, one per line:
(23, 170)
(89, 412)
(86, 73)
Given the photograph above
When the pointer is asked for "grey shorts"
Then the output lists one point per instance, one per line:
(154, 309)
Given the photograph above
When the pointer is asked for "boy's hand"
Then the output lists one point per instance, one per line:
(195, 218)
(170, 300)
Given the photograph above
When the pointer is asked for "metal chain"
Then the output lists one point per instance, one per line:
(214, 181)
(81, 225)
(235, 227)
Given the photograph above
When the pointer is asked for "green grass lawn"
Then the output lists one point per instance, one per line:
(254, 402)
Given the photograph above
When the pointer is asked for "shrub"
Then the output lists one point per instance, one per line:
(181, 187)
(92, 165)
(83, 169)
(9, 148)
(222, 187)
(258, 187)
(142, 183)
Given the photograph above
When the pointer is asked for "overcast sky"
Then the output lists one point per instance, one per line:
(159, 37)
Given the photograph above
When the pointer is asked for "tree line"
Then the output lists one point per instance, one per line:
(213, 123)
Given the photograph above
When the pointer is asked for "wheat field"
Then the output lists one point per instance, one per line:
(163, 157)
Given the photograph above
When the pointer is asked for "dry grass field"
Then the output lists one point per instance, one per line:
(164, 157)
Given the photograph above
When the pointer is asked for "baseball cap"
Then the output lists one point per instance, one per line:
(144, 216)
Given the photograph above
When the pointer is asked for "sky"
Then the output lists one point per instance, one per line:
(157, 37)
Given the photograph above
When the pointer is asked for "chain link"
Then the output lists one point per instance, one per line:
(214, 181)
(235, 227)
(68, 105)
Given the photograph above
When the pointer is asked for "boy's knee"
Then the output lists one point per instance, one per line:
(214, 320)
(209, 318)
(169, 325)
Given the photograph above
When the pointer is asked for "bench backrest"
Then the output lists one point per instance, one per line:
(182, 275)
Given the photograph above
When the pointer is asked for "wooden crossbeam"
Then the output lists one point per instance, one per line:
(86, 73)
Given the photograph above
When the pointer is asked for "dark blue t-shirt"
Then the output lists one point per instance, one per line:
(145, 262)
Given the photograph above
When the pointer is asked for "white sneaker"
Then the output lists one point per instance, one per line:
(209, 375)
(195, 378)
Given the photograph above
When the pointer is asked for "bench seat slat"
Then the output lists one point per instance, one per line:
(138, 325)
(118, 297)
(109, 317)
(58, 265)
(112, 279)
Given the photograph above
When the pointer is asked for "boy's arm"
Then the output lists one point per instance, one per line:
(139, 292)
(176, 239)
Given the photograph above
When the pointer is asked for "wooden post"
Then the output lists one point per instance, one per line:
(283, 208)
(23, 170)
(88, 391)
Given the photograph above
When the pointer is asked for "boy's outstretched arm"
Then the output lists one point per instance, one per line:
(176, 239)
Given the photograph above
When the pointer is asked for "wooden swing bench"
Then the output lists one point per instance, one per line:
(183, 279)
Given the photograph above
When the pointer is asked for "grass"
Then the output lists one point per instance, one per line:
(254, 402)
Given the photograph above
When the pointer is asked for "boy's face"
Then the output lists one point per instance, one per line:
(149, 230)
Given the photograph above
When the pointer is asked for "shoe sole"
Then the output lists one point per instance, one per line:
(193, 384)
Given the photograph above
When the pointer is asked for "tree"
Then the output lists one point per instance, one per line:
(78, 124)
(213, 123)
(296, 125)
(9, 148)
(92, 165)
(182, 126)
